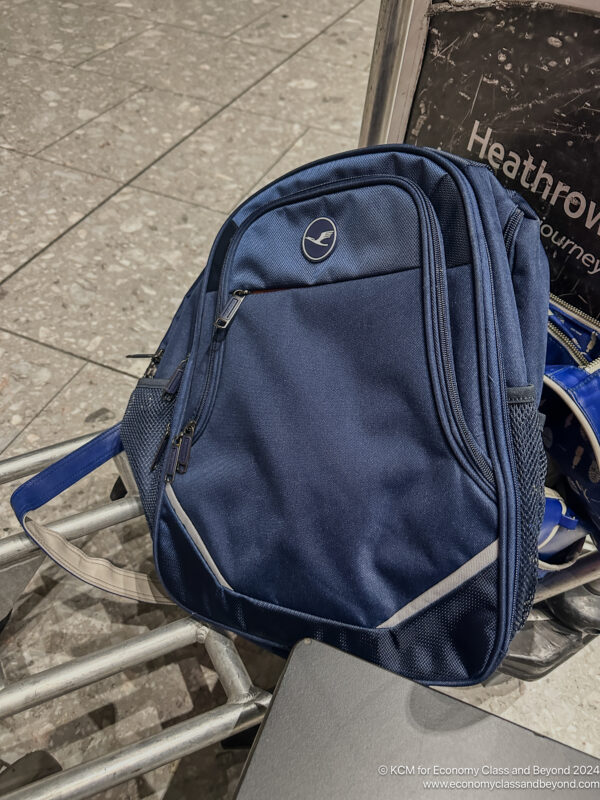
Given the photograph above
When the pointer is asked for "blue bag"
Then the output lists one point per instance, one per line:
(571, 405)
(338, 437)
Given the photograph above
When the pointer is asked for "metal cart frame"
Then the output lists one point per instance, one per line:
(19, 561)
(400, 41)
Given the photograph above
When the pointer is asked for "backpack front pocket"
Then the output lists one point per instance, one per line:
(327, 442)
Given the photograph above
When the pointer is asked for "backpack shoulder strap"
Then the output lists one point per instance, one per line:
(49, 483)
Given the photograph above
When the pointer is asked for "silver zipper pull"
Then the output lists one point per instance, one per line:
(224, 319)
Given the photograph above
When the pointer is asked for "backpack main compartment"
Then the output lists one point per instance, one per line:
(353, 451)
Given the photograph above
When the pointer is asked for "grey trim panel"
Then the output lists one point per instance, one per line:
(468, 570)
(195, 536)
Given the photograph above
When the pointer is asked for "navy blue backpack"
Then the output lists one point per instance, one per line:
(338, 437)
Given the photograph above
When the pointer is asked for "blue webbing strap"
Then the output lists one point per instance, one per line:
(49, 483)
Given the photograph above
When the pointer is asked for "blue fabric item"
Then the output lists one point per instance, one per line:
(571, 405)
(58, 477)
(353, 451)
(560, 530)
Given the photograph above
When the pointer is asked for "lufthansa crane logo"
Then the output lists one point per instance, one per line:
(319, 239)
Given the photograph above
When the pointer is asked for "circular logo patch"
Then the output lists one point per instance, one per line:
(319, 239)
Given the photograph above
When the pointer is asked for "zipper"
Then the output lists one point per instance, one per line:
(174, 381)
(224, 318)
(567, 343)
(154, 362)
(511, 227)
(447, 359)
(228, 313)
(593, 366)
(172, 459)
(581, 316)
(179, 456)
(517, 544)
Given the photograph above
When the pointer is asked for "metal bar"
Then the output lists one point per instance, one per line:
(19, 546)
(229, 667)
(585, 570)
(11, 469)
(169, 745)
(397, 54)
(82, 671)
(126, 473)
(385, 67)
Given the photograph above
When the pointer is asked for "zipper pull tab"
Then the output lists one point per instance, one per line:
(154, 362)
(185, 448)
(224, 319)
(174, 381)
(161, 447)
(172, 459)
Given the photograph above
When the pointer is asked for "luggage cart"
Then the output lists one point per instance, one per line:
(246, 704)
(398, 52)
(19, 561)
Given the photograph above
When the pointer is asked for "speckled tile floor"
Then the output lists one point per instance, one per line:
(114, 115)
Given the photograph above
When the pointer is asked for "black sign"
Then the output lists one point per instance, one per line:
(519, 88)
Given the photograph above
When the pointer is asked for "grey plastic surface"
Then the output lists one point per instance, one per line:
(336, 723)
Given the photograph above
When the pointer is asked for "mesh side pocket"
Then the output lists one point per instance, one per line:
(530, 460)
(143, 428)
(451, 640)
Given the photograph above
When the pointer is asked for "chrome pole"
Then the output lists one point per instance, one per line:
(169, 745)
(11, 469)
(19, 546)
(585, 570)
(397, 54)
(60, 680)
(230, 667)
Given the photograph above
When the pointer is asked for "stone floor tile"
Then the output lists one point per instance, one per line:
(218, 164)
(64, 31)
(367, 12)
(212, 16)
(289, 26)
(210, 774)
(95, 399)
(309, 92)
(188, 62)
(341, 7)
(121, 142)
(312, 145)
(41, 101)
(350, 41)
(60, 618)
(30, 376)
(38, 201)
(91, 400)
(93, 741)
(110, 286)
